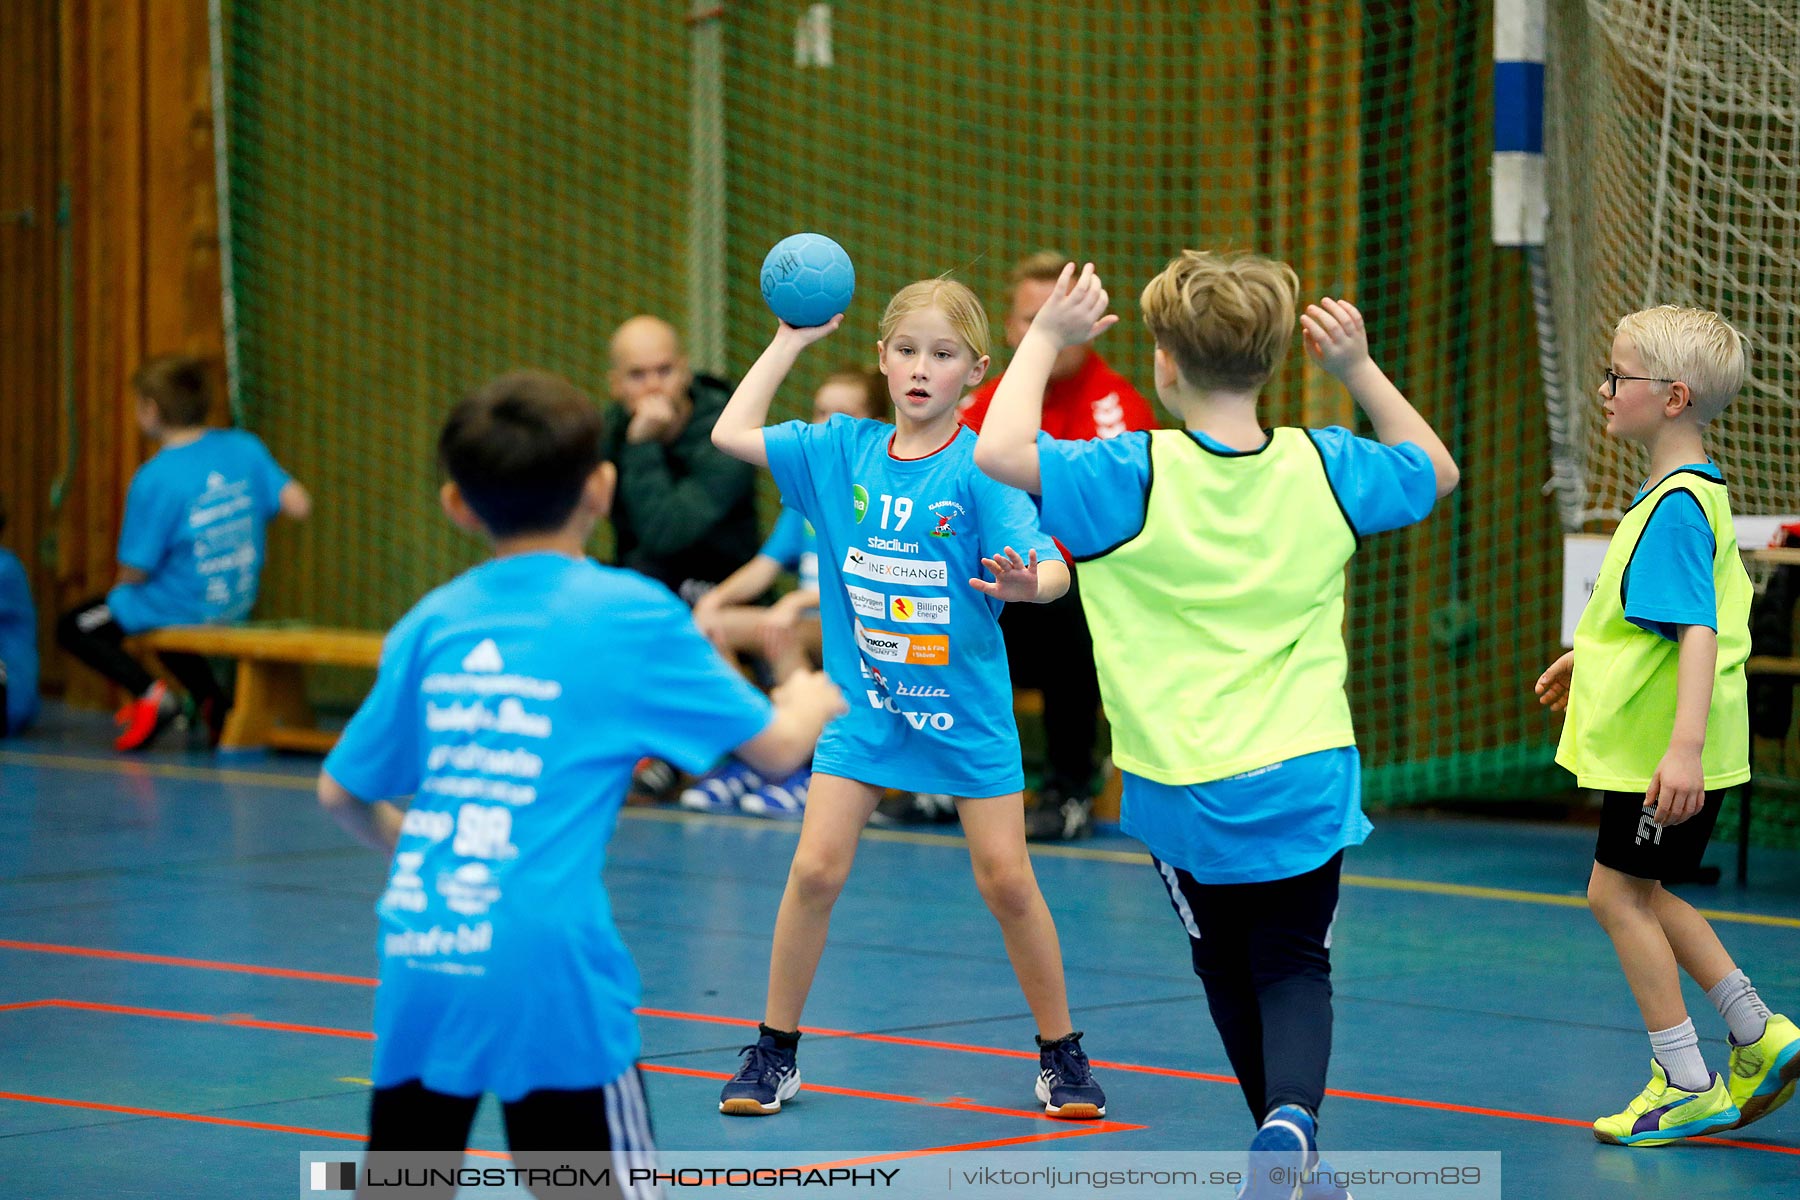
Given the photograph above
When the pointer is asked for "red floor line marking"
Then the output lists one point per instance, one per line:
(899, 1155)
(129, 1111)
(677, 1015)
(285, 1027)
(203, 964)
(958, 1103)
(742, 1022)
(239, 1020)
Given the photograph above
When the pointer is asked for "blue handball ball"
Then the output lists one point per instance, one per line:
(807, 279)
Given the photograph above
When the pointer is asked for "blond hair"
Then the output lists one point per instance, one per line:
(1040, 266)
(1693, 345)
(877, 404)
(949, 297)
(1226, 319)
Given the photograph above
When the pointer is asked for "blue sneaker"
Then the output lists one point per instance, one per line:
(1280, 1153)
(769, 1076)
(721, 789)
(784, 800)
(1065, 1083)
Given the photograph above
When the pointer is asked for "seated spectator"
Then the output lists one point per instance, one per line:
(190, 547)
(785, 634)
(1047, 645)
(18, 643)
(686, 513)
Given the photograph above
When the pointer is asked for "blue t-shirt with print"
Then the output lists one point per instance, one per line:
(512, 704)
(1287, 818)
(194, 524)
(18, 644)
(1669, 581)
(793, 544)
(917, 651)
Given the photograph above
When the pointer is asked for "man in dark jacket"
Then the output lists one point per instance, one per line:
(685, 513)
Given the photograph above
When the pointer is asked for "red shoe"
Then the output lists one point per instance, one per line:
(146, 717)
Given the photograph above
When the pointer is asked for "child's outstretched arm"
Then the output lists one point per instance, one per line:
(295, 501)
(1679, 785)
(1074, 313)
(1336, 339)
(376, 825)
(739, 429)
(804, 705)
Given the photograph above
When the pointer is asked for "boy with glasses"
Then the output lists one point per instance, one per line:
(1658, 723)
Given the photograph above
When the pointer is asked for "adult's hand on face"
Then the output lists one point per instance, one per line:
(656, 418)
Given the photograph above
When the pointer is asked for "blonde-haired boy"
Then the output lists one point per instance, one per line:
(1218, 635)
(1658, 723)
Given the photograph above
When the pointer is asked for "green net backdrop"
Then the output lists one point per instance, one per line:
(422, 198)
(1674, 177)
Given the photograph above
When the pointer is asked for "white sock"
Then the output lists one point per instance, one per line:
(1741, 1007)
(1678, 1050)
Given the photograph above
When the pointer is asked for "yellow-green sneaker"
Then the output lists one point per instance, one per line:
(1763, 1073)
(1663, 1113)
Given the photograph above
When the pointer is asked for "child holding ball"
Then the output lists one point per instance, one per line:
(902, 519)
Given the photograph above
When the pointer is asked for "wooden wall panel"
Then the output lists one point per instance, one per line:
(28, 301)
(109, 101)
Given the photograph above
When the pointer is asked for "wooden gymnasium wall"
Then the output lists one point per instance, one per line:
(105, 103)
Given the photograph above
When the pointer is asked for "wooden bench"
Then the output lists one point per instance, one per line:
(270, 707)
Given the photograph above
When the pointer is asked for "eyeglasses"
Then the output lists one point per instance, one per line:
(1613, 377)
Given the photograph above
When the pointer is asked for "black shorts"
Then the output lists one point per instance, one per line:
(603, 1129)
(1631, 843)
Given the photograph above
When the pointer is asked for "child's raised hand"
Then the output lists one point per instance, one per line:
(1335, 336)
(1075, 312)
(802, 336)
(1015, 578)
(1553, 684)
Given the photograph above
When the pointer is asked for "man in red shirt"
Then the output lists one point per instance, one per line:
(1048, 645)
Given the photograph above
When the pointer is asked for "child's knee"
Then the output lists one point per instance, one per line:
(818, 878)
(1614, 896)
(1010, 889)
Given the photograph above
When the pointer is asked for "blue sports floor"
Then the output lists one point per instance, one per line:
(186, 951)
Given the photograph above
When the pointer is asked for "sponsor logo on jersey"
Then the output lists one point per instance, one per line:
(485, 657)
(865, 603)
(918, 720)
(859, 502)
(894, 544)
(895, 570)
(919, 650)
(918, 610)
(946, 511)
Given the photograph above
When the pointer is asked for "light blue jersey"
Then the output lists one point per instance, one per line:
(194, 523)
(18, 644)
(1280, 820)
(794, 545)
(514, 702)
(1669, 581)
(917, 651)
